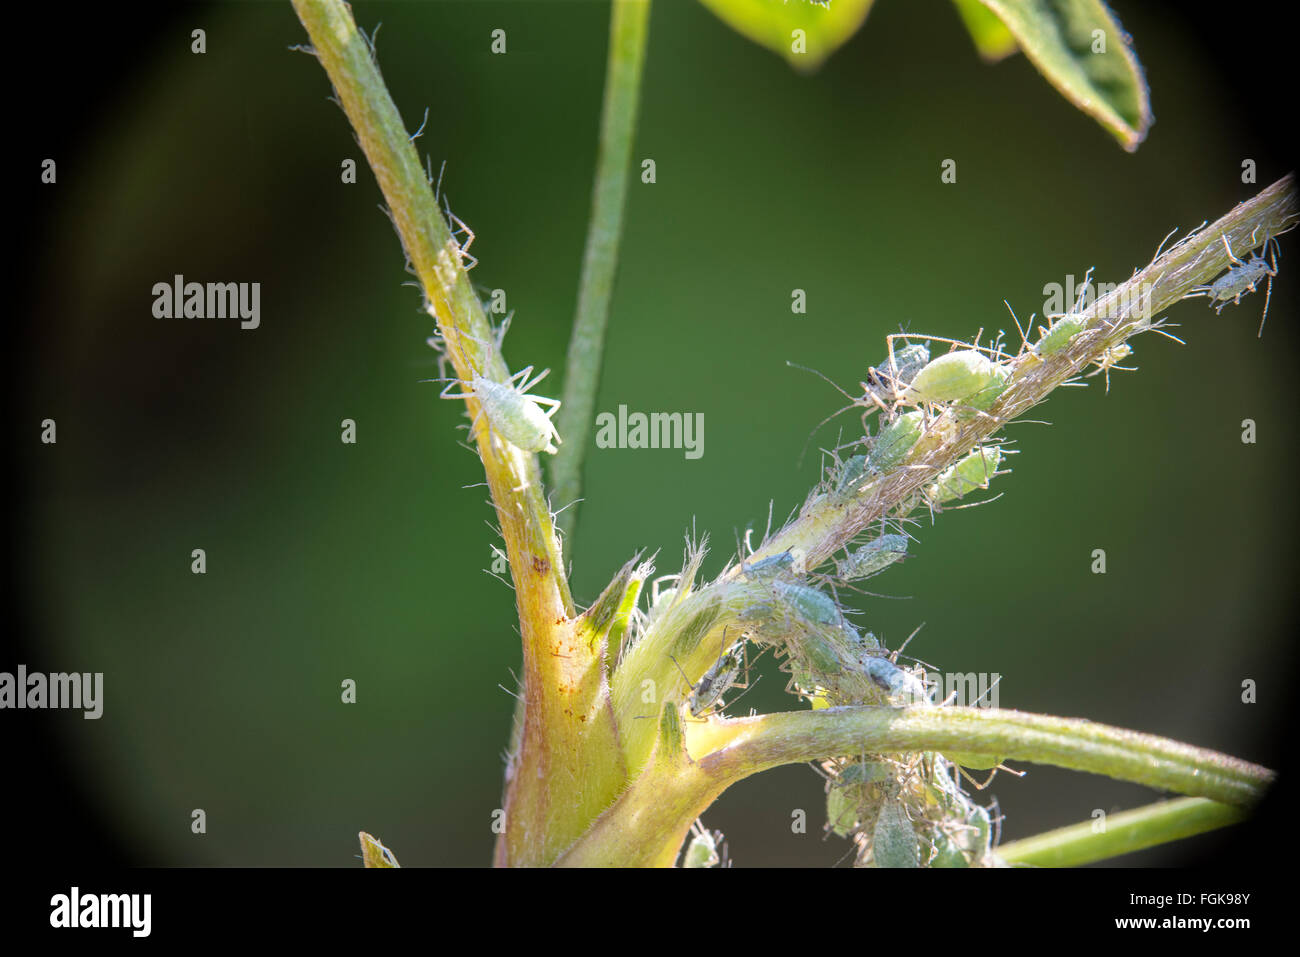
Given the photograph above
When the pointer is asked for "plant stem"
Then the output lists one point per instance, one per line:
(628, 29)
(826, 523)
(649, 821)
(1124, 833)
(556, 786)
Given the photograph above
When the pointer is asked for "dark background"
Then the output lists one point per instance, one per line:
(328, 561)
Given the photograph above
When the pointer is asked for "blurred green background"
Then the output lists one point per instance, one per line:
(328, 561)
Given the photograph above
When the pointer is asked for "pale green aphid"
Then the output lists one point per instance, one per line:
(894, 842)
(702, 851)
(513, 414)
(810, 603)
(851, 472)
(898, 683)
(895, 441)
(841, 812)
(873, 557)
(861, 772)
(988, 395)
(953, 377)
(1062, 331)
(766, 567)
(818, 651)
(947, 853)
(974, 760)
(972, 472)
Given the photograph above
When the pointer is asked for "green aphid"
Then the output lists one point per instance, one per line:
(702, 851)
(986, 397)
(972, 472)
(818, 651)
(851, 473)
(811, 604)
(948, 853)
(873, 557)
(841, 811)
(894, 842)
(894, 441)
(1054, 339)
(974, 836)
(772, 565)
(956, 377)
(861, 772)
(973, 760)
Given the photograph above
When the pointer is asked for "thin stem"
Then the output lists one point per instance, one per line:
(649, 821)
(1123, 833)
(826, 523)
(554, 787)
(628, 29)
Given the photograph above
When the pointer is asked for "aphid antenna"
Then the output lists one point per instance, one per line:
(957, 343)
(1024, 339)
(563, 507)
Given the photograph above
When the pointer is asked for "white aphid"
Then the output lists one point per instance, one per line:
(1242, 277)
(512, 413)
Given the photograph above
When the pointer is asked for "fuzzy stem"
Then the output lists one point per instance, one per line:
(649, 821)
(827, 523)
(628, 29)
(556, 787)
(1126, 832)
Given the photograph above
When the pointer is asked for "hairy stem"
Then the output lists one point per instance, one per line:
(555, 787)
(658, 808)
(1124, 833)
(826, 523)
(627, 40)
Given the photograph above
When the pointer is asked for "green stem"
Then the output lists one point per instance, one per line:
(649, 821)
(1124, 833)
(827, 522)
(554, 788)
(627, 40)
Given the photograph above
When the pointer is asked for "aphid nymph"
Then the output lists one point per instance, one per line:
(512, 413)
(1242, 277)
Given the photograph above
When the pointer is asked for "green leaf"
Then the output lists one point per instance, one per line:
(1084, 52)
(773, 24)
(992, 39)
(374, 854)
